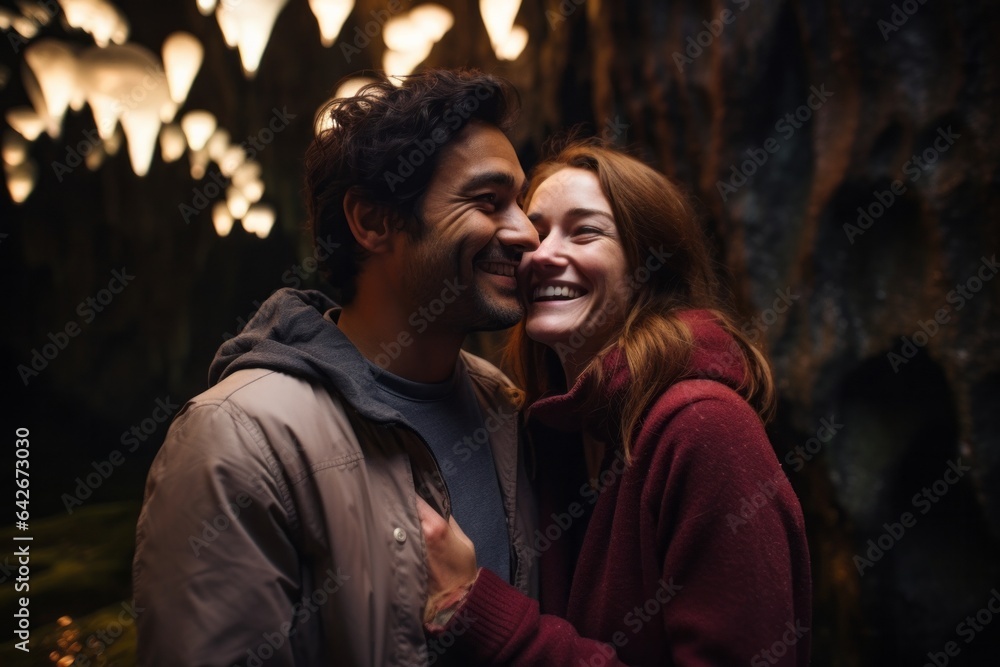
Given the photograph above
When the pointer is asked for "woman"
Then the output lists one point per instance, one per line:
(669, 534)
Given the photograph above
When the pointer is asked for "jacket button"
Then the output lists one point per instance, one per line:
(400, 535)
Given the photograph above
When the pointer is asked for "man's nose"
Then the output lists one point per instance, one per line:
(517, 231)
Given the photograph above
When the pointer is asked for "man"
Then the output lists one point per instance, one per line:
(280, 524)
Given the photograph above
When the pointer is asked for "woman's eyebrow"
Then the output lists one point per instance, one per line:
(576, 213)
(580, 212)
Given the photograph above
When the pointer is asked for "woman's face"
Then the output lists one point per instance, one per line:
(574, 285)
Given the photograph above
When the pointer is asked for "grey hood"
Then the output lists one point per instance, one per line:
(290, 333)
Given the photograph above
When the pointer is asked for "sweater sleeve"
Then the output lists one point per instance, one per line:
(725, 530)
(732, 536)
(498, 625)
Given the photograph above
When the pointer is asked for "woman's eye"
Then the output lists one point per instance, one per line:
(586, 230)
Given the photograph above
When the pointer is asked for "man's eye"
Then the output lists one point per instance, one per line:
(489, 198)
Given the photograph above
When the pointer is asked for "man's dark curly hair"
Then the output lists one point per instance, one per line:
(385, 142)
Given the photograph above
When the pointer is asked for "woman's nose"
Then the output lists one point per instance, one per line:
(550, 251)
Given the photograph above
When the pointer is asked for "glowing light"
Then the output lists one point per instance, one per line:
(432, 20)
(26, 121)
(199, 163)
(78, 99)
(348, 88)
(169, 110)
(95, 158)
(182, 58)
(249, 24)
(6, 18)
(99, 18)
(106, 112)
(127, 83)
(514, 44)
(206, 7)
(218, 144)
(253, 190)
(259, 219)
(113, 143)
(15, 148)
(401, 63)
(36, 12)
(198, 127)
(231, 160)
(246, 172)
(410, 37)
(142, 127)
(499, 15)
(351, 87)
(237, 203)
(331, 15)
(222, 220)
(229, 27)
(21, 180)
(54, 67)
(24, 27)
(402, 34)
(172, 143)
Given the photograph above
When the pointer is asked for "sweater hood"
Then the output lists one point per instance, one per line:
(293, 332)
(715, 356)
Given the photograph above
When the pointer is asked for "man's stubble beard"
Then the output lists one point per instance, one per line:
(434, 269)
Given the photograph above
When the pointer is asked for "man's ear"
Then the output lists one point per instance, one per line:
(371, 223)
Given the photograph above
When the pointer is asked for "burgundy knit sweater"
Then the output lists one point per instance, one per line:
(692, 554)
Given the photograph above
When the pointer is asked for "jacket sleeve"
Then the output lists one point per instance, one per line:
(732, 535)
(498, 625)
(215, 573)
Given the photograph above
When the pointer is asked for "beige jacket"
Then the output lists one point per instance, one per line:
(279, 525)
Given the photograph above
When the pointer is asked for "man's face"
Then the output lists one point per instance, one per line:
(460, 269)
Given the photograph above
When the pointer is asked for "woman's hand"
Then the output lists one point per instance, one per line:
(451, 562)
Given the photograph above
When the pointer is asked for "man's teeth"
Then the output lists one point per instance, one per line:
(500, 269)
(553, 292)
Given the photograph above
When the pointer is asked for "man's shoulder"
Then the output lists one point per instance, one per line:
(260, 391)
(242, 385)
(266, 407)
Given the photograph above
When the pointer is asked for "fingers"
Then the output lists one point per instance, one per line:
(431, 523)
(435, 528)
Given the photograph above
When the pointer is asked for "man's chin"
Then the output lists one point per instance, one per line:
(499, 313)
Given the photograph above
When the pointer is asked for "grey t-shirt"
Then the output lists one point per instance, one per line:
(447, 415)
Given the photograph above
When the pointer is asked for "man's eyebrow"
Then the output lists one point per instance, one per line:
(487, 178)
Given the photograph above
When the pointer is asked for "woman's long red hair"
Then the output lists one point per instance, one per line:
(651, 214)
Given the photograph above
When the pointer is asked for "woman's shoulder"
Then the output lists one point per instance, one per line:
(705, 418)
(699, 398)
